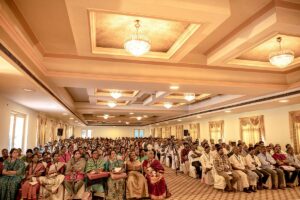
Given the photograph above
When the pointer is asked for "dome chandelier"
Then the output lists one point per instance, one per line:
(112, 104)
(281, 58)
(168, 105)
(189, 96)
(137, 44)
(116, 94)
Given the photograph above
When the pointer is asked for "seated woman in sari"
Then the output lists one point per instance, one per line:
(154, 174)
(28, 157)
(31, 185)
(74, 176)
(50, 184)
(95, 165)
(12, 175)
(116, 187)
(136, 182)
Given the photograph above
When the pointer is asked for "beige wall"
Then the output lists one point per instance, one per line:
(277, 127)
(110, 131)
(6, 106)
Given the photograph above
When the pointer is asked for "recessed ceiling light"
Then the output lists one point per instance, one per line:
(127, 123)
(65, 114)
(189, 96)
(198, 116)
(227, 111)
(174, 87)
(168, 105)
(119, 121)
(112, 104)
(76, 121)
(131, 113)
(71, 118)
(145, 116)
(28, 90)
(283, 101)
(179, 120)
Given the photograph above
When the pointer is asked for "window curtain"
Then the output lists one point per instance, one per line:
(179, 132)
(47, 130)
(194, 130)
(158, 132)
(216, 130)
(295, 130)
(152, 132)
(168, 131)
(252, 129)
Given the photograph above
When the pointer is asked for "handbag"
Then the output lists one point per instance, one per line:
(94, 176)
(118, 176)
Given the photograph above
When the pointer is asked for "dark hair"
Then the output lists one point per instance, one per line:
(75, 152)
(35, 148)
(12, 150)
(206, 147)
(94, 151)
(250, 149)
(29, 151)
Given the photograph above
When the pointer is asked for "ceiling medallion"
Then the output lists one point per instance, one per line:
(137, 44)
(281, 58)
(116, 94)
(189, 96)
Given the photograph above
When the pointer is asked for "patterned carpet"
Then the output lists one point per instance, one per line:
(184, 187)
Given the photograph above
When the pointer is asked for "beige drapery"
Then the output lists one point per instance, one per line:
(194, 130)
(167, 132)
(152, 133)
(179, 132)
(252, 129)
(216, 130)
(47, 129)
(295, 130)
(158, 132)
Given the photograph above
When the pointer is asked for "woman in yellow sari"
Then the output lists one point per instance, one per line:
(136, 182)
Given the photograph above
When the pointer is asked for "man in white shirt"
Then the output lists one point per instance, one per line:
(267, 163)
(207, 164)
(252, 163)
(194, 159)
(248, 178)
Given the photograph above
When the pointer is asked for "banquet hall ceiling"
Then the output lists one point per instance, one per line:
(217, 50)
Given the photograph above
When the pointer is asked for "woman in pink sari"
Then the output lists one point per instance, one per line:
(31, 186)
(157, 186)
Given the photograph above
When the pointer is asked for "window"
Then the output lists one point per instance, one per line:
(252, 129)
(86, 133)
(138, 133)
(16, 130)
(216, 130)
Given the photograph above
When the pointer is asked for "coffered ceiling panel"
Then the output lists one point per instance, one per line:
(262, 51)
(109, 31)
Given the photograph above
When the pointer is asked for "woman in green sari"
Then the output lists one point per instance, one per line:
(95, 165)
(13, 172)
(116, 187)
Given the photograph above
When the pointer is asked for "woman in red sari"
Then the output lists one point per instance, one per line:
(157, 186)
(31, 186)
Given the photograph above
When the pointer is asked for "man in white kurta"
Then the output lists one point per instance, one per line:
(248, 178)
(207, 163)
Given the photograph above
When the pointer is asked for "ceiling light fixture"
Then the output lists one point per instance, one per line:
(139, 118)
(131, 113)
(281, 58)
(283, 101)
(145, 116)
(71, 118)
(116, 94)
(189, 96)
(227, 111)
(127, 123)
(112, 104)
(198, 116)
(137, 44)
(174, 87)
(168, 105)
(179, 120)
(65, 114)
(105, 116)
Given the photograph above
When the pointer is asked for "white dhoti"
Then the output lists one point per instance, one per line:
(252, 178)
(243, 178)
